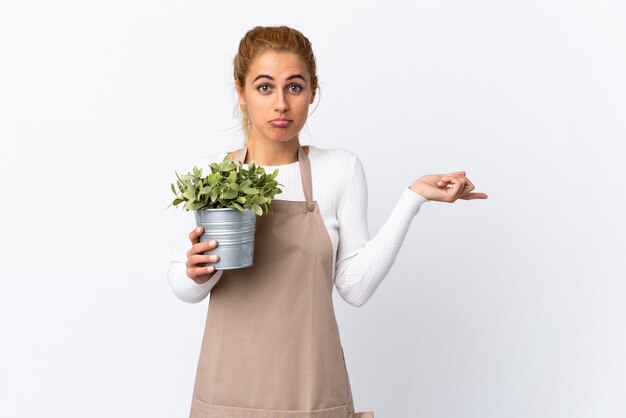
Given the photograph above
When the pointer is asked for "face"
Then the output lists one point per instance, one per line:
(277, 94)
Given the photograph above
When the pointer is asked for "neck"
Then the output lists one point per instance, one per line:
(271, 153)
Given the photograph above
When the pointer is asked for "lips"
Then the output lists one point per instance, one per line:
(280, 123)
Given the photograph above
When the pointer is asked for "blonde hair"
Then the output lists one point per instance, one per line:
(270, 38)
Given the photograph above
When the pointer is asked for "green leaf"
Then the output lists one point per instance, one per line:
(187, 177)
(257, 209)
(250, 191)
(196, 205)
(271, 184)
(231, 194)
(189, 195)
(237, 206)
(213, 179)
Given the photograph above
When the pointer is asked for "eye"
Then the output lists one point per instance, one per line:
(264, 88)
(298, 88)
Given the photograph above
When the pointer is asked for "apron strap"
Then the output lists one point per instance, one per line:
(241, 155)
(307, 182)
(305, 173)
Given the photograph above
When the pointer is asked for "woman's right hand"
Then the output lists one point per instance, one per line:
(196, 270)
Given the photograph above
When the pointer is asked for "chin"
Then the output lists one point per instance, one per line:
(283, 137)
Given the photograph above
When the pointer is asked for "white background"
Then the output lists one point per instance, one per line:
(507, 307)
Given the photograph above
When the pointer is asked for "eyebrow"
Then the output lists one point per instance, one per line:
(272, 78)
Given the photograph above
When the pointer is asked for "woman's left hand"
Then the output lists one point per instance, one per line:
(435, 187)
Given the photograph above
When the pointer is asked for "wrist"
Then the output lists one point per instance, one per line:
(416, 189)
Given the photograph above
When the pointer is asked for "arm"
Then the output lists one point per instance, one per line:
(362, 263)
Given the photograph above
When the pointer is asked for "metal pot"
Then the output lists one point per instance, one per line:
(234, 232)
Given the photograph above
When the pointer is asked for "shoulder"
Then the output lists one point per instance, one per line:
(337, 169)
(333, 156)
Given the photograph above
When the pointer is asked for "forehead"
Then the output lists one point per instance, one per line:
(279, 65)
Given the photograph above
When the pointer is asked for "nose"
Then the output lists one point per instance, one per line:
(281, 105)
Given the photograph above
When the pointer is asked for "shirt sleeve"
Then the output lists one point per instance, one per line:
(362, 263)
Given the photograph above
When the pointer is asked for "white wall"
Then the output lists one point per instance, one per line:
(511, 306)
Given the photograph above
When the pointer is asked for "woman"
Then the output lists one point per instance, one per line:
(271, 346)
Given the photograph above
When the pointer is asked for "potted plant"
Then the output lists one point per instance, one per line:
(226, 204)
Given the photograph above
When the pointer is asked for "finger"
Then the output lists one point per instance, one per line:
(200, 260)
(466, 195)
(201, 247)
(475, 196)
(195, 234)
(457, 187)
(200, 274)
(202, 279)
(197, 271)
(204, 246)
(444, 180)
(469, 186)
(454, 174)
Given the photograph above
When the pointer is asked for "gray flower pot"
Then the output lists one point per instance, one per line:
(234, 232)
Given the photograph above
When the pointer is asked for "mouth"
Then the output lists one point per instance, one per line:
(280, 123)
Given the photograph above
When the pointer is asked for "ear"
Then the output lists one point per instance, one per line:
(242, 97)
(312, 97)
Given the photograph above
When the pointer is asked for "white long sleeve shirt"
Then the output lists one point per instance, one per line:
(360, 263)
